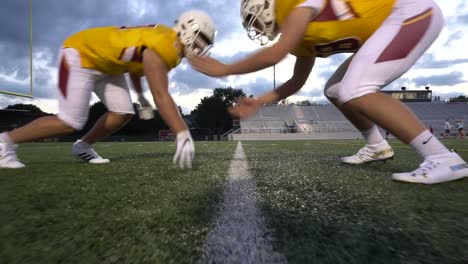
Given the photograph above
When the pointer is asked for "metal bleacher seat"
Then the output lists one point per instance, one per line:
(328, 119)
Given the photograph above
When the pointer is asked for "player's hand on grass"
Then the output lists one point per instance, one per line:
(208, 66)
(245, 107)
(185, 151)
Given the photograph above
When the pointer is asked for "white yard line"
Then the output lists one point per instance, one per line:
(239, 234)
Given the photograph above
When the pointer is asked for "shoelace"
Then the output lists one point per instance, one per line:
(425, 167)
(364, 152)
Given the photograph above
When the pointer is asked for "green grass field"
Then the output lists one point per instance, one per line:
(140, 209)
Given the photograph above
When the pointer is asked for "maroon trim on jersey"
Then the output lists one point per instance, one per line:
(121, 54)
(407, 38)
(63, 77)
(327, 14)
(351, 9)
(136, 56)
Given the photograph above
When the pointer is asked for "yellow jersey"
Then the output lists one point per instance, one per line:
(341, 25)
(116, 50)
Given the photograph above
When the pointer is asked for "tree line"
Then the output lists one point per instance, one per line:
(210, 116)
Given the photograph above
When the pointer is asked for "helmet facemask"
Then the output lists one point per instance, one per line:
(196, 32)
(200, 44)
(258, 20)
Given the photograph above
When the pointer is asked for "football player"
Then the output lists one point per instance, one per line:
(95, 60)
(386, 38)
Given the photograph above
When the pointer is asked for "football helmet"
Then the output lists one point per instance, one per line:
(196, 31)
(258, 19)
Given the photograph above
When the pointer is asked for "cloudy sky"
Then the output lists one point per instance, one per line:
(444, 67)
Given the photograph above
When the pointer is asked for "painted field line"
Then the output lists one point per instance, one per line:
(239, 234)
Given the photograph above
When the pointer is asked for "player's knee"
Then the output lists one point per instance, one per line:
(70, 124)
(346, 95)
(122, 117)
(331, 91)
(69, 130)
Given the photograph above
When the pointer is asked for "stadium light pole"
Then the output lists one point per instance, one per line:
(269, 44)
(274, 76)
(30, 49)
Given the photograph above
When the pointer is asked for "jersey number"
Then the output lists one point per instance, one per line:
(351, 44)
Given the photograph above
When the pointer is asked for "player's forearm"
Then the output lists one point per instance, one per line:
(263, 59)
(169, 112)
(285, 90)
(156, 75)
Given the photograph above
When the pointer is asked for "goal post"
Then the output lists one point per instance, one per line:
(31, 80)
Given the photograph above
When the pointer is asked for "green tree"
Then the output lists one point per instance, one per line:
(212, 112)
(27, 107)
(304, 103)
(135, 127)
(460, 98)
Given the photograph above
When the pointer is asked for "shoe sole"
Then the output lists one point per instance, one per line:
(104, 161)
(401, 181)
(372, 161)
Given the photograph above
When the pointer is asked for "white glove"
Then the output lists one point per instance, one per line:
(185, 151)
(145, 111)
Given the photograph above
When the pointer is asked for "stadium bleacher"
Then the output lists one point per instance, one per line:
(325, 121)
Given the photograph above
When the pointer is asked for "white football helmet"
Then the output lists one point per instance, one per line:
(196, 31)
(258, 18)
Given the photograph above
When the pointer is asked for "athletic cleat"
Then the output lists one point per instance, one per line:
(85, 152)
(8, 158)
(370, 153)
(436, 169)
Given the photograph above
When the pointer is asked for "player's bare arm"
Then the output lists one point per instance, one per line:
(156, 75)
(145, 110)
(248, 106)
(292, 32)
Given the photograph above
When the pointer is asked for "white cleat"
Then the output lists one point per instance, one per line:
(8, 158)
(370, 153)
(85, 152)
(436, 169)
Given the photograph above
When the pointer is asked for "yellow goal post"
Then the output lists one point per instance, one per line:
(30, 94)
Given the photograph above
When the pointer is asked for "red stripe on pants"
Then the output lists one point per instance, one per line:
(63, 77)
(406, 39)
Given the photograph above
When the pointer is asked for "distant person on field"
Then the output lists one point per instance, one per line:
(95, 60)
(461, 133)
(447, 127)
(386, 38)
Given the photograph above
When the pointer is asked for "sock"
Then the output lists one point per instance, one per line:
(427, 144)
(5, 138)
(85, 144)
(372, 136)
